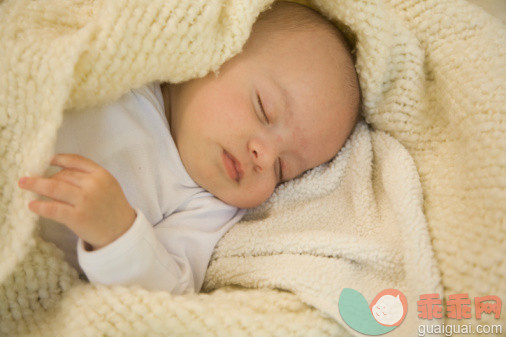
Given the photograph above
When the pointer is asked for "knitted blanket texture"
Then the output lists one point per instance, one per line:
(415, 200)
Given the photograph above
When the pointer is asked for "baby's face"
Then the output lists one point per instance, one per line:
(274, 111)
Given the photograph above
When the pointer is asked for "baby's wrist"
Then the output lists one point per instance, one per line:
(113, 235)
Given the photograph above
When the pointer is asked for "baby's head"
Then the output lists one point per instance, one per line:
(284, 105)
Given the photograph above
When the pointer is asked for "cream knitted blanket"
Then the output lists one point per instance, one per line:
(432, 74)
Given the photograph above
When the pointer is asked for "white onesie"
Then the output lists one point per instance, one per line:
(178, 222)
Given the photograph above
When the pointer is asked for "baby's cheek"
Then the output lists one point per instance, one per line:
(259, 193)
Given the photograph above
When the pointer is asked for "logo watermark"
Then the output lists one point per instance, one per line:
(458, 307)
(385, 313)
(389, 307)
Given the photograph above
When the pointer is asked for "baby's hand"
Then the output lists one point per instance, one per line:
(85, 197)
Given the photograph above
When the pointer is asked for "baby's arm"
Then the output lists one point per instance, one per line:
(84, 197)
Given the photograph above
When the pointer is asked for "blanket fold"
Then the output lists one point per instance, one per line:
(371, 232)
(414, 201)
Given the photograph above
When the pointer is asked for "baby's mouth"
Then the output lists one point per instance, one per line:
(232, 166)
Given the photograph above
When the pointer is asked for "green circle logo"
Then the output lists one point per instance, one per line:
(385, 313)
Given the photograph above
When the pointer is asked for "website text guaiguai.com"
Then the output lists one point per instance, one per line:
(455, 329)
(458, 308)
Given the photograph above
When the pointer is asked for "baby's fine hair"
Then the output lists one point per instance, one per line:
(291, 16)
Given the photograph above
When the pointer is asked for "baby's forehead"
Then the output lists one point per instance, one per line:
(275, 41)
(270, 34)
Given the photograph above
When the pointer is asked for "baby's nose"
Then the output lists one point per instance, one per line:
(263, 153)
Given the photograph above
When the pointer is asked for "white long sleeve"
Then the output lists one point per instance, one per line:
(165, 257)
(137, 257)
(178, 223)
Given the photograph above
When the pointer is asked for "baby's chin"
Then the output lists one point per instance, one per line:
(241, 201)
(245, 194)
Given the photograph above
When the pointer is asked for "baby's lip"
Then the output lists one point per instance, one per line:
(232, 166)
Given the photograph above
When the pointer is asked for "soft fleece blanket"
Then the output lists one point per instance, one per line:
(417, 205)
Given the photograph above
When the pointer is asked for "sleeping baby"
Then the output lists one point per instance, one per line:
(148, 184)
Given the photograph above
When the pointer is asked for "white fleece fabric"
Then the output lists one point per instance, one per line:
(418, 204)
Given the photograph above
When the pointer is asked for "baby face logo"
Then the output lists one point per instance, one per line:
(386, 311)
(388, 307)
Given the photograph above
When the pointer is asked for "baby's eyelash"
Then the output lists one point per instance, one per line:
(262, 109)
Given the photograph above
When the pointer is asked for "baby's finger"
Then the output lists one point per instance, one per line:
(73, 177)
(53, 210)
(51, 188)
(75, 162)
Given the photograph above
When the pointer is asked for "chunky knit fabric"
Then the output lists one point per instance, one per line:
(432, 74)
